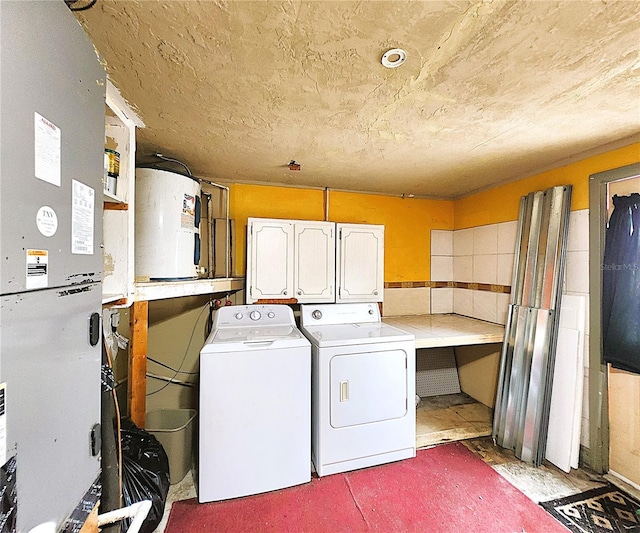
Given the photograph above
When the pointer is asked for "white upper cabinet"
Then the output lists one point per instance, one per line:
(269, 259)
(307, 260)
(360, 263)
(290, 259)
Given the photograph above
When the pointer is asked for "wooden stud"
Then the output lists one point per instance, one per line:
(91, 524)
(137, 385)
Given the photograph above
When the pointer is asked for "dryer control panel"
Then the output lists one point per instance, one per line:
(331, 314)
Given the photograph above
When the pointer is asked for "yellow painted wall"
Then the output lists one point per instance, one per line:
(408, 222)
(269, 202)
(501, 204)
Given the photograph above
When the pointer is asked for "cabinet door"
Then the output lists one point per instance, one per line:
(360, 263)
(269, 259)
(314, 263)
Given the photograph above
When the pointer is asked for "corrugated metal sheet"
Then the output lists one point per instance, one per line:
(528, 354)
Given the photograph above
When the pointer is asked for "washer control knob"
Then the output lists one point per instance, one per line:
(317, 314)
(238, 315)
(271, 314)
(255, 315)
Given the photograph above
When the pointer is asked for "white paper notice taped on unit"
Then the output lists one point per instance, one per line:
(47, 150)
(82, 214)
(37, 269)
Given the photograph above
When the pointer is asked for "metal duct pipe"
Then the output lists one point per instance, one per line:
(326, 204)
(227, 243)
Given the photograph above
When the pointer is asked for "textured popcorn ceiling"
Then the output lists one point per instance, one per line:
(491, 90)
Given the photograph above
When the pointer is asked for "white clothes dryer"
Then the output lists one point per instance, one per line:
(255, 397)
(363, 388)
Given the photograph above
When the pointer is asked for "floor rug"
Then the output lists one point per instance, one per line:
(600, 510)
(443, 489)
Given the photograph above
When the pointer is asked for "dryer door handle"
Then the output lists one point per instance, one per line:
(344, 391)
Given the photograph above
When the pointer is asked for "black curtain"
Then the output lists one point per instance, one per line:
(621, 285)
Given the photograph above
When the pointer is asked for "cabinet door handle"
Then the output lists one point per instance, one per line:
(284, 292)
(375, 293)
(299, 293)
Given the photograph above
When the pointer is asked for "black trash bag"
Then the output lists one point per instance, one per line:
(145, 473)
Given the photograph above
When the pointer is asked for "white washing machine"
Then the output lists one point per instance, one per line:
(255, 397)
(363, 388)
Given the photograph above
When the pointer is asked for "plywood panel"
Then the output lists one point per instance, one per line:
(624, 419)
(478, 369)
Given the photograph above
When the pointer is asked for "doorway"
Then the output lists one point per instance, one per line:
(614, 395)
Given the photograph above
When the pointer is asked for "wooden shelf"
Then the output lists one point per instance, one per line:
(112, 205)
(159, 290)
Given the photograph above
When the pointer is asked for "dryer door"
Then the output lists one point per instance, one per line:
(368, 387)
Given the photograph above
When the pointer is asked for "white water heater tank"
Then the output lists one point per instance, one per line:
(167, 225)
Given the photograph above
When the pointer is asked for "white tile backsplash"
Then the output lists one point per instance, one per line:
(442, 300)
(502, 307)
(442, 268)
(485, 268)
(463, 242)
(463, 302)
(485, 305)
(441, 242)
(463, 268)
(577, 272)
(504, 270)
(483, 254)
(578, 239)
(485, 239)
(507, 233)
(407, 301)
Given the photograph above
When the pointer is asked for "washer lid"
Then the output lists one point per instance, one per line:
(248, 338)
(350, 334)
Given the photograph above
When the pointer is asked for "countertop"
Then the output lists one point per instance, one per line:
(434, 331)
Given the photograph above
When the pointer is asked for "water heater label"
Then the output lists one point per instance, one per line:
(82, 212)
(188, 211)
(47, 150)
(37, 269)
(47, 221)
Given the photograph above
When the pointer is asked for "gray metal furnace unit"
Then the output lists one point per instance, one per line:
(51, 165)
